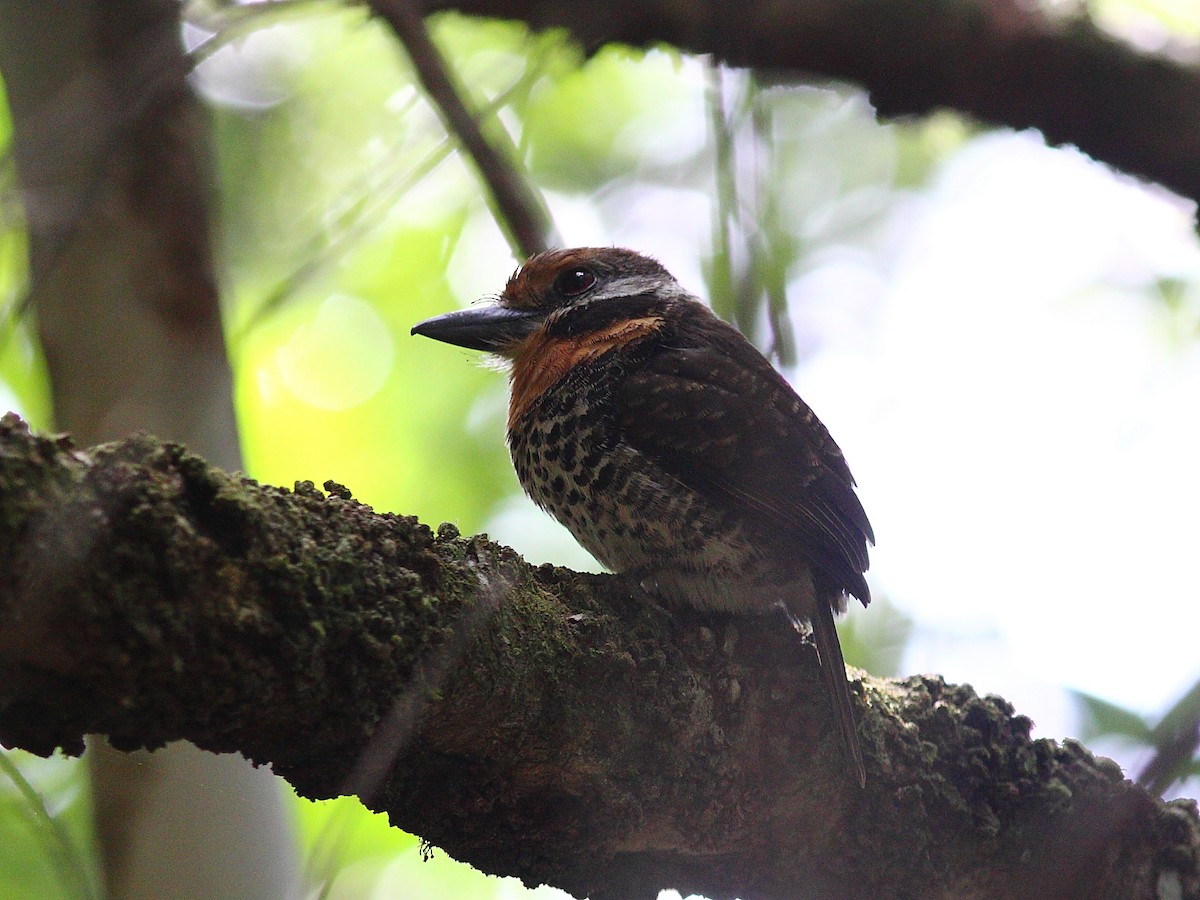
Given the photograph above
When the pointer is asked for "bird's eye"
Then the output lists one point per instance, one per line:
(574, 282)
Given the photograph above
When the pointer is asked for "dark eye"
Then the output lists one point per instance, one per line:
(574, 282)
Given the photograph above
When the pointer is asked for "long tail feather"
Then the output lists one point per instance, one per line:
(833, 669)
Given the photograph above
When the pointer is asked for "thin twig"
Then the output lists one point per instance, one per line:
(770, 247)
(723, 295)
(520, 207)
(234, 22)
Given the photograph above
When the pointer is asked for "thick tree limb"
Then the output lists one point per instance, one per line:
(533, 722)
(1003, 62)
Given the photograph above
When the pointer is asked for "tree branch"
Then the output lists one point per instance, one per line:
(519, 207)
(1005, 63)
(533, 722)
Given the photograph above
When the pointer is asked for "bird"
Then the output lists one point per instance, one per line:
(672, 449)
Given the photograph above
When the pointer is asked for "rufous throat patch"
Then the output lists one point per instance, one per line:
(542, 360)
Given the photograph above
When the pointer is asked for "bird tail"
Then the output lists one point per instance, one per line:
(833, 670)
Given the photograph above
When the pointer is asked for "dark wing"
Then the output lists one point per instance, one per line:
(716, 415)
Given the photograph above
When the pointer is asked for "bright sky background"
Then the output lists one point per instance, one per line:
(1030, 446)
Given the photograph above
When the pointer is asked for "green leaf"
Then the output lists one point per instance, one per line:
(1101, 718)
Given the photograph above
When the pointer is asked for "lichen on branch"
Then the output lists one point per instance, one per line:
(532, 721)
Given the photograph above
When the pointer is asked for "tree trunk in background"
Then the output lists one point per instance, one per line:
(109, 144)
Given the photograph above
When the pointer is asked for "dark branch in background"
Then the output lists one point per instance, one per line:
(1176, 739)
(517, 202)
(532, 722)
(1004, 63)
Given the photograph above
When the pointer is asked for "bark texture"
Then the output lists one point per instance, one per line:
(1003, 62)
(533, 722)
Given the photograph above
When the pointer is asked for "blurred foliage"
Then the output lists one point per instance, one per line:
(1182, 320)
(23, 383)
(875, 639)
(1100, 718)
(352, 853)
(1173, 740)
(1148, 22)
(344, 845)
(587, 124)
(46, 848)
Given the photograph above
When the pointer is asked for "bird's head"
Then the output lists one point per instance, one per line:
(585, 297)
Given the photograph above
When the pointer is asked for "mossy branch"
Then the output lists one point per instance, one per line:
(531, 721)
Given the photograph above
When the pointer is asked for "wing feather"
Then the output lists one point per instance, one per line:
(715, 414)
